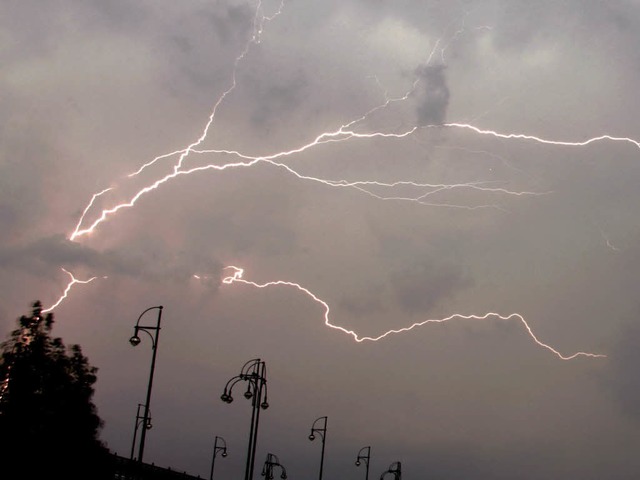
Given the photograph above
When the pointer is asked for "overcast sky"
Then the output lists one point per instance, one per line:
(92, 91)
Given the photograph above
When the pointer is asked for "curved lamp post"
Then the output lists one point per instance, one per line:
(254, 372)
(135, 341)
(322, 431)
(216, 449)
(271, 462)
(395, 469)
(364, 455)
(139, 420)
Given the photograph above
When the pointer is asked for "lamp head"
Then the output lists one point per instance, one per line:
(225, 397)
(312, 437)
(149, 425)
(357, 463)
(264, 405)
(224, 454)
(135, 340)
(248, 394)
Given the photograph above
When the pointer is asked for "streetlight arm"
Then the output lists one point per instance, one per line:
(247, 366)
(365, 457)
(231, 383)
(159, 307)
(145, 330)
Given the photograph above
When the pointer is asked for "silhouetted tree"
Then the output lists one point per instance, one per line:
(48, 423)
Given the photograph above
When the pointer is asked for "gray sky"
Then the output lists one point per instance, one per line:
(92, 91)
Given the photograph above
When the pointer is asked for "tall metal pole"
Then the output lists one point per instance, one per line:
(213, 463)
(322, 431)
(365, 455)
(248, 471)
(135, 431)
(260, 374)
(322, 454)
(216, 449)
(135, 340)
(255, 373)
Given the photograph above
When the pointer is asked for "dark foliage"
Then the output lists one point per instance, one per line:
(49, 425)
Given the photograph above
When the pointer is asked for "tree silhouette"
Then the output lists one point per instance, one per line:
(48, 422)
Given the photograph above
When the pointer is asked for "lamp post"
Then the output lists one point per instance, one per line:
(135, 341)
(271, 462)
(395, 469)
(139, 420)
(254, 372)
(217, 449)
(364, 455)
(322, 431)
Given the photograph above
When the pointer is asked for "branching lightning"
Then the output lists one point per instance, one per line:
(71, 283)
(339, 135)
(348, 132)
(4, 386)
(237, 277)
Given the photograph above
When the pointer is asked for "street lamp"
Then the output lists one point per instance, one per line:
(322, 431)
(270, 462)
(395, 469)
(135, 341)
(254, 372)
(364, 455)
(217, 449)
(139, 420)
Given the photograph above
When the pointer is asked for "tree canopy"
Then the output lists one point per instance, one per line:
(48, 422)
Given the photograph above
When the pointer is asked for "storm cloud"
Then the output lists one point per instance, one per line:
(316, 167)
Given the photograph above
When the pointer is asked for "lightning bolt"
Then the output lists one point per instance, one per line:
(344, 133)
(5, 382)
(339, 135)
(90, 204)
(522, 136)
(237, 277)
(71, 283)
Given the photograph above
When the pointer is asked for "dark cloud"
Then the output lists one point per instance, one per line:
(425, 283)
(433, 95)
(93, 90)
(275, 101)
(231, 22)
(365, 303)
(148, 262)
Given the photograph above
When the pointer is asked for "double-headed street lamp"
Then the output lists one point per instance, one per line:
(222, 448)
(254, 372)
(364, 455)
(135, 341)
(139, 420)
(395, 469)
(271, 462)
(322, 431)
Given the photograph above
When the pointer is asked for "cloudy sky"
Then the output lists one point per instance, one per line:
(364, 151)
